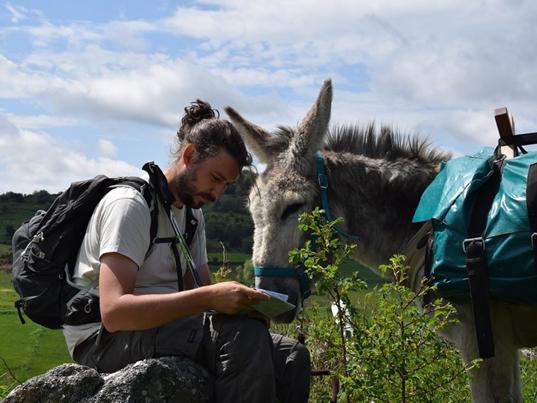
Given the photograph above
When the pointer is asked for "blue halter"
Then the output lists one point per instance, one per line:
(294, 272)
(323, 182)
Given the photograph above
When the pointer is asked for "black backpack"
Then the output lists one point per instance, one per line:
(45, 249)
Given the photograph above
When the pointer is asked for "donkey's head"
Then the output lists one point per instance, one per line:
(287, 188)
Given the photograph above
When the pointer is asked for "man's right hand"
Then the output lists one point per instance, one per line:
(231, 297)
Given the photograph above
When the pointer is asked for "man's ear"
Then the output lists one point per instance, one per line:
(188, 154)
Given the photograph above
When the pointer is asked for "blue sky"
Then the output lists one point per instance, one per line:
(99, 87)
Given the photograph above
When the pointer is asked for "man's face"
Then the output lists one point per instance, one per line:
(203, 182)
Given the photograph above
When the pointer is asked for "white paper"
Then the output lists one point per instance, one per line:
(276, 305)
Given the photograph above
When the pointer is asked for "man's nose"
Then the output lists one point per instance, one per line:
(218, 190)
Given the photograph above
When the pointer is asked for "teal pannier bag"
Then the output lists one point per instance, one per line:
(449, 202)
(484, 221)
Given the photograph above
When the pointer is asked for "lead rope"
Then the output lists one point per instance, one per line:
(317, 372)
(301, 337)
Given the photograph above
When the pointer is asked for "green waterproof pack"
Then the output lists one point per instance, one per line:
(450, 202)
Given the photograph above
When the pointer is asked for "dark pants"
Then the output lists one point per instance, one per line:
(249, 364)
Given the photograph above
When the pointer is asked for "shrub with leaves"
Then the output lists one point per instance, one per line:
(245, 273)
(388, 352)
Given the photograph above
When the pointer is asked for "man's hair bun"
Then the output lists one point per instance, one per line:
(195, 113)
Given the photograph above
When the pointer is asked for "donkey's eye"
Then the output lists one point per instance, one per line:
(291, 209)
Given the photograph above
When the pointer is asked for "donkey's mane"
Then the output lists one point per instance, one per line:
(382, 144)
(368, 141)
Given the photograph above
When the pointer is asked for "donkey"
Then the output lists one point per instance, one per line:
(374, 181)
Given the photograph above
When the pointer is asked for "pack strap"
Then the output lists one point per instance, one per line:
(531, 203)
(149, 194)
(479, 291)
(179, 269)
(427, 242)
(476, 264)
(160, 184)
(173, 244)
(531, 189)
(519, 140)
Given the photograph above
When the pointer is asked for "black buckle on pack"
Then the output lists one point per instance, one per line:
(469, 241)
(533, 236)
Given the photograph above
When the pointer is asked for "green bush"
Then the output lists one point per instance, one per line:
(245, 273)
(388, 352)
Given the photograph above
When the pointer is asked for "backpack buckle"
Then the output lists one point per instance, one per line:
(469, 241)
(533, 236)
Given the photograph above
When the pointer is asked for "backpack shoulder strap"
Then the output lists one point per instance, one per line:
(165, 197)
(191, 226)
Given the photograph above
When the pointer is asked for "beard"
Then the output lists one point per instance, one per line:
(187, 191)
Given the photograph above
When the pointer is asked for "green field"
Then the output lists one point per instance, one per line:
(236, 259)
(25, 350)
(233, 258)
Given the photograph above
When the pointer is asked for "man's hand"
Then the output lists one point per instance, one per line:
(231, 297)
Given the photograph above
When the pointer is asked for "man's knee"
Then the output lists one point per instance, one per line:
(240, 335)
(233, 327)
(302, 355)
(291, 349)
(293, 370)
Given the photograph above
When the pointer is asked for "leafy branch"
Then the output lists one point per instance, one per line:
(389, 352)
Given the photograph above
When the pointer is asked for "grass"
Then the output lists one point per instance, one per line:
(7, 294)
(5, 255)
(26, 350)
(238, 258)
(234, 258)
(29, 350)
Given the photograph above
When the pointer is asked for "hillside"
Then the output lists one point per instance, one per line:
(15, 208)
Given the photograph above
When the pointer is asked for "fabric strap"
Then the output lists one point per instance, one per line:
(476, 264)
(160, 185)
(531, 202)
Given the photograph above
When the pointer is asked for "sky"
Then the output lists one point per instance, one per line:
(99, 87)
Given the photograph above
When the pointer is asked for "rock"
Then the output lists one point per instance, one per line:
(68, 383)
(168, 379)
(156, 380)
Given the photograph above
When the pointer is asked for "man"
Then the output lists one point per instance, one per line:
(144, 315)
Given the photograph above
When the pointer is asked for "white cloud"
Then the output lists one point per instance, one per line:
(101, 85)
(107, 148)
(18, 13)
(17, 83)
(36, 160)
(42, 121)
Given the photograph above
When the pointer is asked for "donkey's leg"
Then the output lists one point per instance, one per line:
(497, 379)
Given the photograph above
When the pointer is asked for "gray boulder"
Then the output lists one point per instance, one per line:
(168, 379)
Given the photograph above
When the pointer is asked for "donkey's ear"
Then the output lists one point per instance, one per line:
(254, 136)
(309, 135)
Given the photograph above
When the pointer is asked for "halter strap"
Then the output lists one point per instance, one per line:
(286, 272)
(323, 183)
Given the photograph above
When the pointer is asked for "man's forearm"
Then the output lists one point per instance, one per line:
(138, 312)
